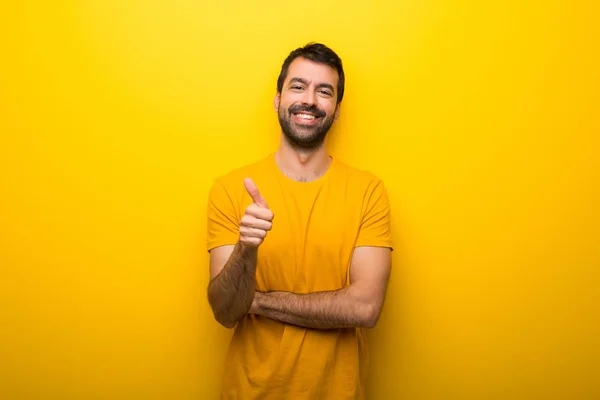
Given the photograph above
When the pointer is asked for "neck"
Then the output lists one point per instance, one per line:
(302, 165)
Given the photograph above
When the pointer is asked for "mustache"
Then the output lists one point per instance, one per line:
(308, 109)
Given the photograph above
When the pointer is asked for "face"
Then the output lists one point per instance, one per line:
(307, 105)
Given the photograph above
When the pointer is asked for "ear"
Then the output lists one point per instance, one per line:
(337, 112)
(276, 101)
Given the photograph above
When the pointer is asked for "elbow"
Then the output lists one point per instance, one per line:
(371, 315)
(227, 310)
(224, 316)
(224, 319)
(226, 323)
(220, 315)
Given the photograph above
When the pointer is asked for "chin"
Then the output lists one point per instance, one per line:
(306, 142)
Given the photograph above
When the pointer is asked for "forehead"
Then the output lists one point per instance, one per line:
(313, 72)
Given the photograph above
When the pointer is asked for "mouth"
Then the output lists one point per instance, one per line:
(305, 118)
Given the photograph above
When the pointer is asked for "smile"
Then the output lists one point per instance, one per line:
(305, 118)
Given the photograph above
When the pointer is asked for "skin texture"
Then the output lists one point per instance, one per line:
(309, 88)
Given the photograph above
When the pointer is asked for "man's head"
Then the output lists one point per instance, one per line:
(310, 89)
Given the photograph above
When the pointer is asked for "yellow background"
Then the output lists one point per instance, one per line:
(481, 117)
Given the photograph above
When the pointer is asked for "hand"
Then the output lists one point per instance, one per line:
(257, 220)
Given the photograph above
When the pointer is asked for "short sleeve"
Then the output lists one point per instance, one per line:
(223, 222)
(375, 228)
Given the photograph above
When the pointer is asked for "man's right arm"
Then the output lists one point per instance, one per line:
(232, 285)
(233, 267)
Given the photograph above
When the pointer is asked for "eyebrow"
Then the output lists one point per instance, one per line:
(305, 82)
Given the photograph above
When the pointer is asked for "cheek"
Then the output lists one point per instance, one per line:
(328, 107)
(287, 102)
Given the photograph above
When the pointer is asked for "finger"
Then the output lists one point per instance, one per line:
(259, 212)
(254, 193)
(252, 232)
(251, 222)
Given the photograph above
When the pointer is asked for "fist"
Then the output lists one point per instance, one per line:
(257, 219)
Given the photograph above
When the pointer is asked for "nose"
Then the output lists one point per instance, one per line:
(309, 97)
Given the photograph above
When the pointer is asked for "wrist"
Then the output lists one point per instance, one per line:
(255, 306)
(247, 249)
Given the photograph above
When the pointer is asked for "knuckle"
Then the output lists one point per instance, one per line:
(245, 220)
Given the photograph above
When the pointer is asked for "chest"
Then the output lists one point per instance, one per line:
(310, 246)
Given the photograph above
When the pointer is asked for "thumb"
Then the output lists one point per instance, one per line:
(254, 193)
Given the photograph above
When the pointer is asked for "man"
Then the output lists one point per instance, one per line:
(300, 249)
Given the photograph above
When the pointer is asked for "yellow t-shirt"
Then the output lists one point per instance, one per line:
(316, 227)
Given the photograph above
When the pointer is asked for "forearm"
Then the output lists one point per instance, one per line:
(342, 308)
(230, 293)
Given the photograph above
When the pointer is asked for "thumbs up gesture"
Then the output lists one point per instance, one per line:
(257, 220)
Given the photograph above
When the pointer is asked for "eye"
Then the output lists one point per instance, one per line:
(297, 87)
(325, 92)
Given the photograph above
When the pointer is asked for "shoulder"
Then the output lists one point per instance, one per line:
(358, 178)
(366, 189)
(232, 181)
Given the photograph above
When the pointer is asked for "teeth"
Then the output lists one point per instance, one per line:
(306, 116)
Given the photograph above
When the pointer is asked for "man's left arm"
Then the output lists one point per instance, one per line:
(358, 305)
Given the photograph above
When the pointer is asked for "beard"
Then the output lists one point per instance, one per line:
(304, 137)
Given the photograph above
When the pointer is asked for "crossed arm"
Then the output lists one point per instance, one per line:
(358, 305)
